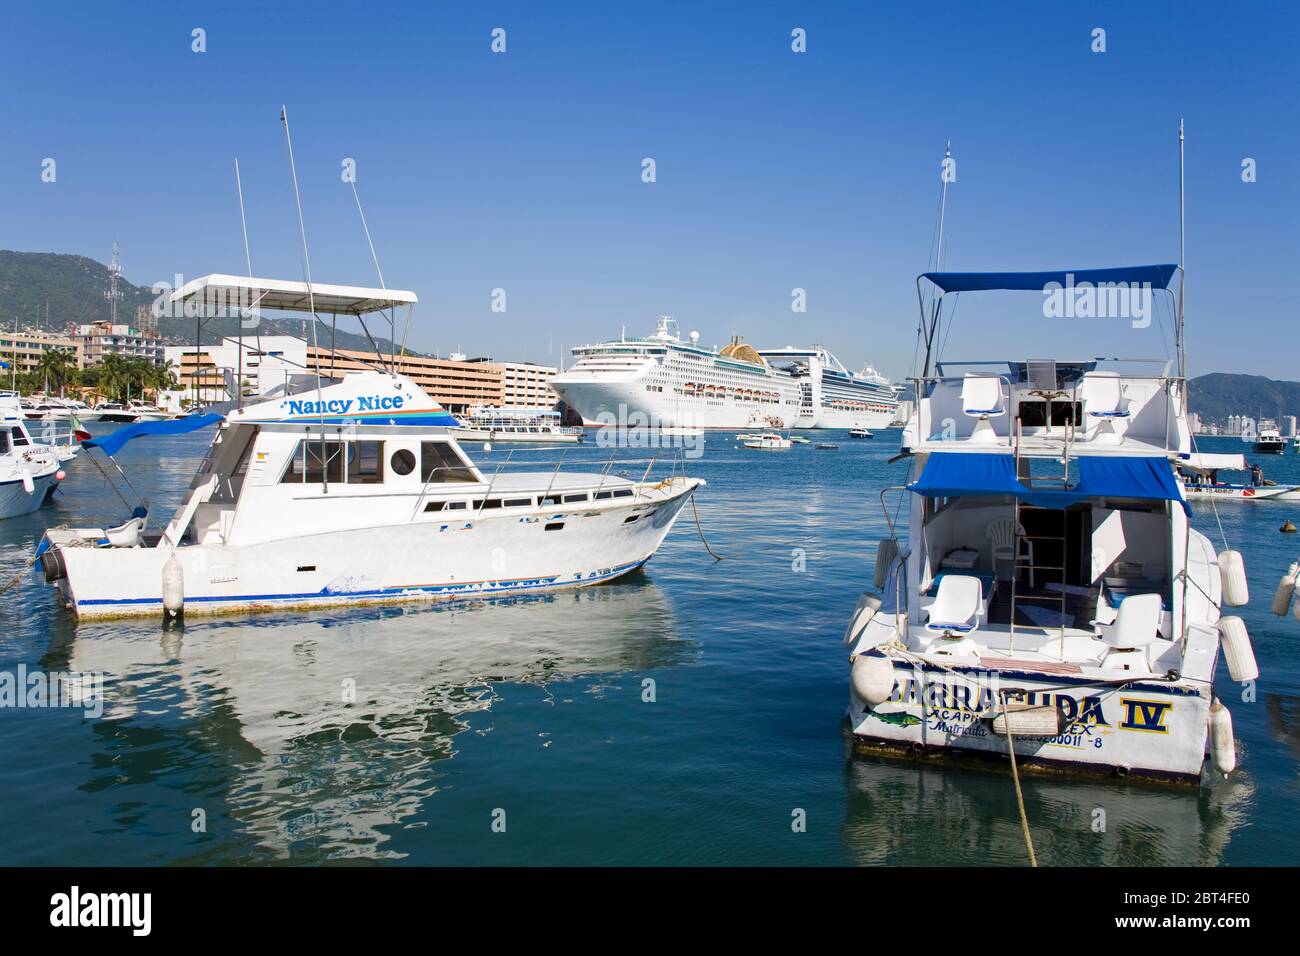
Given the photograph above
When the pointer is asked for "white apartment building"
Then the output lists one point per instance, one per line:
(526, 385)
(210, 373)
(104, 338)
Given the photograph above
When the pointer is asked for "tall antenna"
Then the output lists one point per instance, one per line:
(248, 258)
(311, 295)
(938, 262)
(1182, 267)
(392, 325)
(114, 293)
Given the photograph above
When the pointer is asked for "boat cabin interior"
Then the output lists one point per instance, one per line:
(1087, 584)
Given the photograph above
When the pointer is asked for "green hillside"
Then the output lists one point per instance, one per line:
(1216, 396)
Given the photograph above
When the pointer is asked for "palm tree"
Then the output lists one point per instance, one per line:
(56, 367)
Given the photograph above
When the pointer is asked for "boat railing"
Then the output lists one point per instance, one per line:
(675, 463)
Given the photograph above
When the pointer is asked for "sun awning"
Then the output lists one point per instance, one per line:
(216, 292)
(1202, 461)
(112, 444)
(951, 474)
(1158, 276)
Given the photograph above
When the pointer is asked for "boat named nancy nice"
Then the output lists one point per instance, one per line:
(350, 493)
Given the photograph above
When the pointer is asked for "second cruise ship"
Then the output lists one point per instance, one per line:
(661, 381)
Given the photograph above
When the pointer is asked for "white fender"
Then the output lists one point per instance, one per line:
(1232, 574)
(886, 552)
(872, 679)
(1285, 588)
(1223, 750)
(868, 605)
(1236, 649)
(173, 585)
(29, 485)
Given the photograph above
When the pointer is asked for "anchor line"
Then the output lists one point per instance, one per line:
(700, 529)
(1015, 777)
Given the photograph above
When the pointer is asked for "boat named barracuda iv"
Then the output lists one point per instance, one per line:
(1050, 594)
(663, 381)
(352, 493)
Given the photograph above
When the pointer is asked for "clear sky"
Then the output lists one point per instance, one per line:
(775, 170)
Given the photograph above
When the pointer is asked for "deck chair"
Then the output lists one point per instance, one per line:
(1003, 535)
(1102, 395)
(957, 605)
(981, 398)
(1136, 625)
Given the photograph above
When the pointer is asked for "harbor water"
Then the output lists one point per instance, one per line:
(691, 713)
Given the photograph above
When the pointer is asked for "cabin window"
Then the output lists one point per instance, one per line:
(324, 461)
(570, 499)
(4, 443)
(441, 463)
(623, 493)
(435, 506)
(519, 502)
(490, 503)
(455, 506)
(18, 437)
(603, 495)
(551, 500)
(365, 462)
(402, 461)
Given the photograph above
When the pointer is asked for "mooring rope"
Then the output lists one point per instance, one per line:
(1015, 777)
(700, 529)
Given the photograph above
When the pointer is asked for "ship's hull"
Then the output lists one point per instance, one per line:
(1151, 729)
(845, 418)
(629, 405)
(1244, 492)
(501, 554)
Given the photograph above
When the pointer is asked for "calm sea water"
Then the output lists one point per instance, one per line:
(533, 708)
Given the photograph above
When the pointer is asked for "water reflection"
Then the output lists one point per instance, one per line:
(904, 813)
(314, 735)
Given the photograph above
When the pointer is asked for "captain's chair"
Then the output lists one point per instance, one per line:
(957, 604)
(981, 397)
(1103, 399)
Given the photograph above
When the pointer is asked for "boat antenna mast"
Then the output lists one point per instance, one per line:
(1182, 268)
(930, 325)
(248, 259)
(311, 295)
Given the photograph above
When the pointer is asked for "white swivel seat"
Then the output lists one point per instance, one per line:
(1102, 395)
(1136, 625)
(957, 605)
(981, 398)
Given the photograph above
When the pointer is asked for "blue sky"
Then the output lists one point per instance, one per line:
(775, 170)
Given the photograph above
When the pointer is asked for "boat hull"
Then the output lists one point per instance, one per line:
(1245, 492)
(1147, 729)
(15, 499)
(426, 560)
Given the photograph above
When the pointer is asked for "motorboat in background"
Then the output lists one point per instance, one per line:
(1269, 441)
(767, 442)
(29, 470)
(532, 425)
(352, 493)
(117, 412)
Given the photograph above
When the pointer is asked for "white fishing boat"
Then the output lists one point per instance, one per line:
(352, 493)
(1051, 605)
(800, 440)
(30, 471)
(1199, 474)
(768, 442)
(148, 412)
(115, 412)
(860, 433)
(514, 425)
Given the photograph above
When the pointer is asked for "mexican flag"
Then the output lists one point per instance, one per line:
(78, 429)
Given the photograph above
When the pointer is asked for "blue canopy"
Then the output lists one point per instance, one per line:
(1158, 276)
(948, 474)
(112, 444)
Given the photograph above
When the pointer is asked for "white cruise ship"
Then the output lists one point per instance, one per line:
(665, 382)
(830, 395)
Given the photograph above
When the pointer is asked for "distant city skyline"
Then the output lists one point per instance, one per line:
(517, 177)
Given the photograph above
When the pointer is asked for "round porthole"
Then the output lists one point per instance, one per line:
(402, 462)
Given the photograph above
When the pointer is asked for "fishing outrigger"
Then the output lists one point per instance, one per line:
(1052, 602)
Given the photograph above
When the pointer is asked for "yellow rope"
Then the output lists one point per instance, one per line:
(1015, 776)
